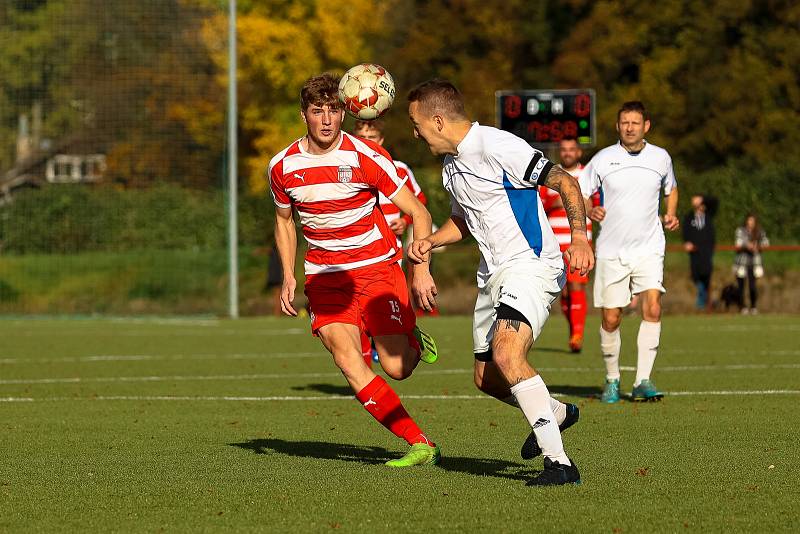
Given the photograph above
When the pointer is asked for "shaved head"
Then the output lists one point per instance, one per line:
(439, 97)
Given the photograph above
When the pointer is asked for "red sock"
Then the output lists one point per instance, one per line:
(380, 400)
(565, 309)
(366, 349)
(577, 311)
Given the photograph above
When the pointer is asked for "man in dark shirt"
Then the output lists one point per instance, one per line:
(699, 239)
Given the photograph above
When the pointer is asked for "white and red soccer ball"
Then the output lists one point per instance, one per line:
(367, 91)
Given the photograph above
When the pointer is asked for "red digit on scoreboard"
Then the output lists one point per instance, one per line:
(570, 129)
(541, 131)
(556, 133)
(582, 105)
(512, 106)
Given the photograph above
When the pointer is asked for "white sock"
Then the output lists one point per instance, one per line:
(609, 345)
(647, 341)
(534, 401)
(558, 407)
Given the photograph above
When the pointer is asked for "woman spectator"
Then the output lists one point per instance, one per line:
(750, 239)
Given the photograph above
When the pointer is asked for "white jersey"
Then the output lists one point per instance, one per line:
(630, 186)
(492, 184)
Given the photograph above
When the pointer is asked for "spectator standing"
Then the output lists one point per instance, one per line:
(699, 239)
(750, 240)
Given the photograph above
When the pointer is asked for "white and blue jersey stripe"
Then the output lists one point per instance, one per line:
(492, 183)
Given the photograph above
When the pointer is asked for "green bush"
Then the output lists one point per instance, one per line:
(66, 219)
(743, 188)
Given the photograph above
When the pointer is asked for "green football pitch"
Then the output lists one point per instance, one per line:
(203, 425)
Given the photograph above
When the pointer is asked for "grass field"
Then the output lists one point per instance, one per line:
(190, 282)
(195, 425)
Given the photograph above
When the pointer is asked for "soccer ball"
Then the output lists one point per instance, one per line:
(367, 91)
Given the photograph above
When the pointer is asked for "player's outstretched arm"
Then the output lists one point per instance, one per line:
(423, 287)
(671, 221)
(579, 254)
(452, 231)
(286, 242)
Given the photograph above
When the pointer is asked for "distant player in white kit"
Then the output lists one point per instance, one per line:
(630, 250)
(492, 178)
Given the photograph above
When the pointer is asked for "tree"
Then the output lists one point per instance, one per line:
(280, 45)
(720, 78)
(131, 80)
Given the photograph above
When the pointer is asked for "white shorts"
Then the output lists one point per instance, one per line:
(529, 287)
(615, 281)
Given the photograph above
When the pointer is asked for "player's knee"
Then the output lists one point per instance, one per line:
(504, 358)
(612, 319)
(398, 372)
(651, 311)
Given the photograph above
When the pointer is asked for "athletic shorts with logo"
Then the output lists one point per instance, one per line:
(528, 287)
(373, 298)
(617, 280)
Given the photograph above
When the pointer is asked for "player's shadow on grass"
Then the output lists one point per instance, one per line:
(378, 455)
(321, 450)
(588, 392)
(328, 389)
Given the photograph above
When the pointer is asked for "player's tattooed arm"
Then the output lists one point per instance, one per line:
(579, 255)
(560, 180)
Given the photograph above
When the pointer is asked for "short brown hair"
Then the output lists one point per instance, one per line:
(377, 124)
(319, 91)
(440, 96)
(633, 105)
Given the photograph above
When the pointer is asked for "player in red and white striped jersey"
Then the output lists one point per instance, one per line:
(573, 296)
(398, 221)
(353, 280)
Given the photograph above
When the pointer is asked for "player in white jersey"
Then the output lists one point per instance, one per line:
(630, 250)
(492, 178)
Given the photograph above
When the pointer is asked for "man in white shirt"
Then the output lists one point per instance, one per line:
(630, 250)
(492, 177)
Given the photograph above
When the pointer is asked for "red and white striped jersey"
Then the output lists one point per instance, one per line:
(336, 196)
(558, 215)
(392, 212)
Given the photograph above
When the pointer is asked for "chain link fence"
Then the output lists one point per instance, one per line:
(112, 159)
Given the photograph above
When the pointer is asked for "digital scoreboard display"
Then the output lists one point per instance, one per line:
(545, 117)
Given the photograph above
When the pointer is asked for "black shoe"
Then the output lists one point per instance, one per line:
(556, 474)
(531, 449)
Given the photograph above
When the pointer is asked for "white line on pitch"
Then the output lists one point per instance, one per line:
(142, 398)
(172, 333)
(319, 354)
(266, 376)
(170, 357)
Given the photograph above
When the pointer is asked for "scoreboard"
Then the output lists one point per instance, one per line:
(545, 117)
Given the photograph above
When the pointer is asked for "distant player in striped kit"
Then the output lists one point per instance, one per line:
(398, 221)
(353, 280)
(573, 296)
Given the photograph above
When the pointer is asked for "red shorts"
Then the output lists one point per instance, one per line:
(373, 298)
(574, 277)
